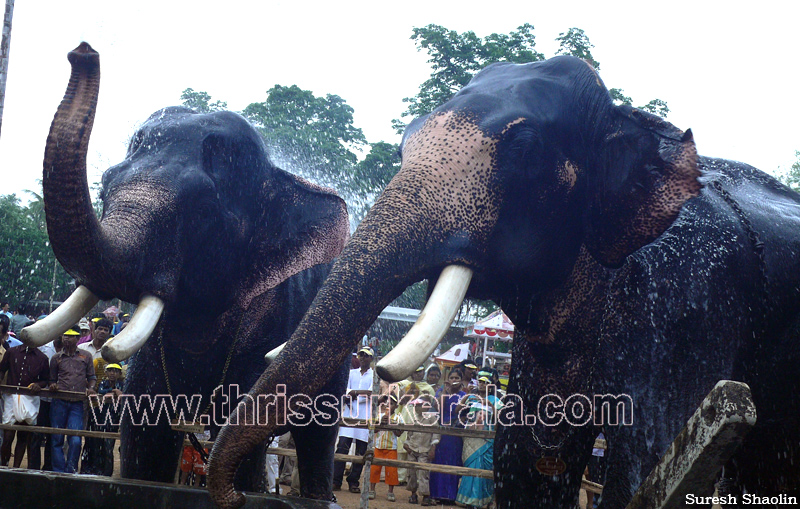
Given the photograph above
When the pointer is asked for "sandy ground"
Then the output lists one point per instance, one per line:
(353, 501)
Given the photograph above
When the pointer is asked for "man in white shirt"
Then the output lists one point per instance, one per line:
(102, 331)
(359, 392)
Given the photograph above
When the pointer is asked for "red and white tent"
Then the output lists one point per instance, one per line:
(454, 355)
(495, 326)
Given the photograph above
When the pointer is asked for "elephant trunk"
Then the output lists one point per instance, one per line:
(351, 299)
(77, 237)
(407, 234)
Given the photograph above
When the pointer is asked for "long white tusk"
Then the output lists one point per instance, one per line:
(134, 335)
(272, 354)
(65, 316)
(430, 327)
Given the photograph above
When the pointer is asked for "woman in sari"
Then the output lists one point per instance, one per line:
(477, 453)
(446, 449)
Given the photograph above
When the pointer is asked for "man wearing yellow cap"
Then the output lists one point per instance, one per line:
(70, 370)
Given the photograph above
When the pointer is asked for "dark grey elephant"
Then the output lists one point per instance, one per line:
(629, 264)
(222, 250)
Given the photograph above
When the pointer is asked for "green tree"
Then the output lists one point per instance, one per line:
(455, 58)
(310, 135)
(201, 101)
(28, 268)
(576, 43)
(791, 177)
(370, 176)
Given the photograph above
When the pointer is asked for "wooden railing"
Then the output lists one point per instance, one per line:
(350, 423)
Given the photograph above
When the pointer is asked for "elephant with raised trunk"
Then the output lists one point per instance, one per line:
(628, 263)
(222, 251)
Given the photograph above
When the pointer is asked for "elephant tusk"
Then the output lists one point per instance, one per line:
(65, 316)
(431, 326)
(273, 354)
(133, 337)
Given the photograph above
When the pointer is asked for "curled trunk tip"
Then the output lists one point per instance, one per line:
(84, 55)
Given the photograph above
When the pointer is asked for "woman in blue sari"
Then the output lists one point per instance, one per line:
(478, 452)
(446, 449)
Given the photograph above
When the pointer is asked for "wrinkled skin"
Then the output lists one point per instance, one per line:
(628, 264)
(236, 248)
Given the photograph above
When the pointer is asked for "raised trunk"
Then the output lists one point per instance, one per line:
(353, 296)
(76, 235)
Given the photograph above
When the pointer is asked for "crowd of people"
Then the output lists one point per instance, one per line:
(466, 399)
(59, 376)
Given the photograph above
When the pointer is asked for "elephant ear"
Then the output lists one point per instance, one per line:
(647, 170)
(302, 225)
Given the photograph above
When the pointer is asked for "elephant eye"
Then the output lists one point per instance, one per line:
(525, 150)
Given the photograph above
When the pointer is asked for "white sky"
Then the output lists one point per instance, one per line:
(728, 70)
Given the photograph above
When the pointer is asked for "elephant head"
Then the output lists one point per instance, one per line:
(526, 179)
(196, 219)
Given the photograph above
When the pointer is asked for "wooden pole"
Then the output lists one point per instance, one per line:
(45, 393)
(711, 436)
(60, 431)
(442, 430)
(5, 47)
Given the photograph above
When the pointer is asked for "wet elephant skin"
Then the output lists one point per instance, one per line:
(629, 264)
(197, 216)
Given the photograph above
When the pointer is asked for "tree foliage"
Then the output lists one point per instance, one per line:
(28, 268)
(310, 135)
(370, 176)
(576, 43)
(201, 101)
(456, 57)
(376, 170)
(791, 177)
(316, 137)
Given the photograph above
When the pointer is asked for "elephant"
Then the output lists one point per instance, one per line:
(222, 250)
(629, 264)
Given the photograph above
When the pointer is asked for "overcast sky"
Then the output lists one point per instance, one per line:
(729, 70)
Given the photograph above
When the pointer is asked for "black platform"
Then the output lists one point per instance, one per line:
(30, 489)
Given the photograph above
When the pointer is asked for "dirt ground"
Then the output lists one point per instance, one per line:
(353, 501)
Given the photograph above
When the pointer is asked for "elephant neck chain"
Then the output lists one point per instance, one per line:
(586, 390)
(756, 243)
(224, 369)
(588, 385)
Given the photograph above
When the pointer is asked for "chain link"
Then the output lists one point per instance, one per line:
(752, 234)
(224, 369)
(587, 388)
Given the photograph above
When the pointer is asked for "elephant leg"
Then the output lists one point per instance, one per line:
(315, 445)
